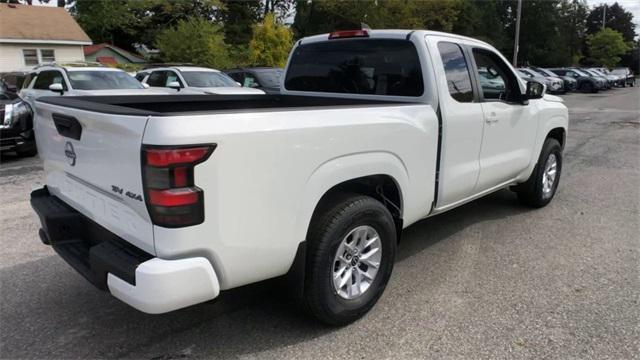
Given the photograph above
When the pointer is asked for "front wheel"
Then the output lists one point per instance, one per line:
(351, 250)
(541, 186)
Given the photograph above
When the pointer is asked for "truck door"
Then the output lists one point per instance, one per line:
(509, 126)
(462, 121)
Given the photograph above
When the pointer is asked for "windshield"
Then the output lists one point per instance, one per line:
(580, 72)
(204, 79)
(619, 71)
(546, 72)
(102, 80)
(539, 73)
(270, 77)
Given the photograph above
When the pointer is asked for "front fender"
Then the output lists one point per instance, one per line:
(552, 115)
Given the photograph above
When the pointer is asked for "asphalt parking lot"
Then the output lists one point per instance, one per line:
(491, 279)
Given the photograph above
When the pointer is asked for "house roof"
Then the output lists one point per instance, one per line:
(39, 24)
(92, 49)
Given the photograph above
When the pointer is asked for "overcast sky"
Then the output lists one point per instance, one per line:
(630, 5)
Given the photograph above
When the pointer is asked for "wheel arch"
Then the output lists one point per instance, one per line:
(362, 173)
(377, 174)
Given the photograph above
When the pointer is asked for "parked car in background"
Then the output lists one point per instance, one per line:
(554, 84)
(627, 74)
(16, 124)
(194, 79)
(13, 80)
(607, 84)
(568, 82)
(612, 80)
(174, 199)
(78, 79)
(586, 82)
(266, 79)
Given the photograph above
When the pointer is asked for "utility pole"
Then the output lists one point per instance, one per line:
(604, 15)
(516, 46)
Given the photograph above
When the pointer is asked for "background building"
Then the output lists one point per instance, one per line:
(31, 35)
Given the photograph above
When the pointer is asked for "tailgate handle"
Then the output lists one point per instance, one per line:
(67, 126)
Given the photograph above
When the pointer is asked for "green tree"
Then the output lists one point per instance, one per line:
(315, 17)
(196, 41)
(271, 43)
(105, 20)
(606, 46)
(238, 18)
(617, 18)
(125, 22)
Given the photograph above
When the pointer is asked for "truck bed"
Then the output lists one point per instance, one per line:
(166, 105)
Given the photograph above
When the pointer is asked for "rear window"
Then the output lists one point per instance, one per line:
(356, 66)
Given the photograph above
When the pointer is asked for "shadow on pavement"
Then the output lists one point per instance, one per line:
(56, 314)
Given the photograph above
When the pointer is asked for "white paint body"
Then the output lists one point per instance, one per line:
(271, 167)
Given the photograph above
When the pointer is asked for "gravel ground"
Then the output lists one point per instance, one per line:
(488, 280)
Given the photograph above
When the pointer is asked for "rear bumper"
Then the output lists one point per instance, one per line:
(147, 283)
(15, 140)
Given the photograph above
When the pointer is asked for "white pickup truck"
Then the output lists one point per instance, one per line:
(165, 201)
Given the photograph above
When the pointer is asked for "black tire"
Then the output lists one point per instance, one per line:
(327, 230)
(531, 192)
(31, 152)
(587, 87)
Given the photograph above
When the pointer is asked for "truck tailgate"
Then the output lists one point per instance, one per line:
(92, 162)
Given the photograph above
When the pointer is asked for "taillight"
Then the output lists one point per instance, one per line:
(173, 199)
(342, 34)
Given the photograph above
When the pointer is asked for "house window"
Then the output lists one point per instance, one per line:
(47, 55)
(34, 57)
(30, 56)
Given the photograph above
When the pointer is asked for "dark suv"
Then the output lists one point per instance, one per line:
(16, 123)
(266, 79)
(586, 83)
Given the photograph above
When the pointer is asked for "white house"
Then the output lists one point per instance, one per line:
(31, 35)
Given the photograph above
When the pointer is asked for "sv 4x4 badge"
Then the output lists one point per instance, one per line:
(119, 190)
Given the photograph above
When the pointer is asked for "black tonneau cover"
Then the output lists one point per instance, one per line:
(164, 105)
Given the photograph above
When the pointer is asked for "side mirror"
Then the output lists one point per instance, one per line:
(57, 88)
(145, 85)
(238, 83)
(535, 90)
(175, 85)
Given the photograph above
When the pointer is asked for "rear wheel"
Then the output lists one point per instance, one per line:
(587, 87)
(351, 250)
(29, 152)
(541, 186)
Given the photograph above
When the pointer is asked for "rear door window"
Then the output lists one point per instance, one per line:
(356, 66)
(456, 71)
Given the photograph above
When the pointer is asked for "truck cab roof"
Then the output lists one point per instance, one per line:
(394, 34)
